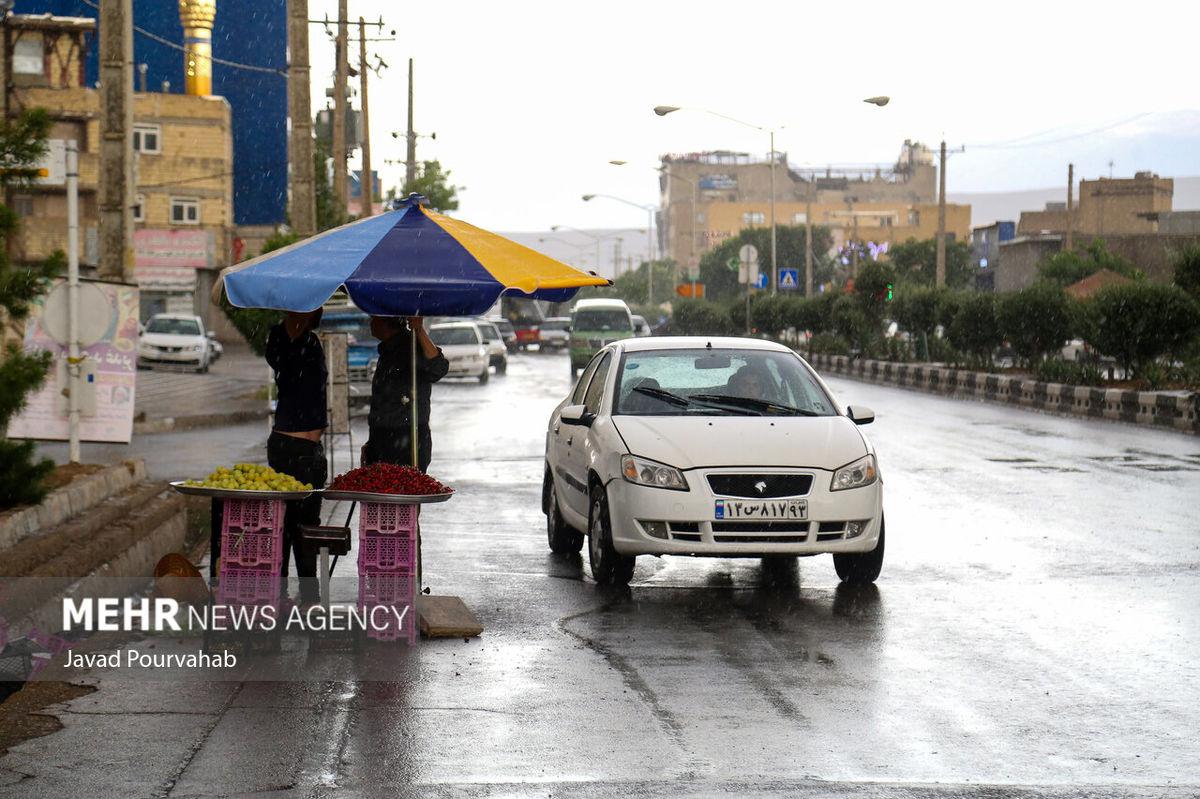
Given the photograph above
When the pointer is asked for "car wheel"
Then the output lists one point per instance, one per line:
(483, 376)
(562, 537)
(609, 567)
(202, 368)
(861, 568)
(502, 366)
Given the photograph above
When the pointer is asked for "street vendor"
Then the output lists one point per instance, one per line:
(294, 447)
(390, 422)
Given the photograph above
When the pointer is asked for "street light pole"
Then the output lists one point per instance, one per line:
(774, 279)
(649, 209)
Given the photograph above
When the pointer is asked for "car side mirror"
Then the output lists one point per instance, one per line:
(577, 415)
(859, 414)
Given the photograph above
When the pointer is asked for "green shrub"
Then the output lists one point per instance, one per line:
(1072, 373)
(829, 344)
(974, 329)
(853, 323)
(700, 318)
(1036, 321)
(1137, 323)
(1070, 266)
(1187, 270)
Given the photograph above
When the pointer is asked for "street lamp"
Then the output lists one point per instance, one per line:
(594, 238)
(649, 209)
(692, 258)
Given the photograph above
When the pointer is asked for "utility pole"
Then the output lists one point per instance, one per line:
(116, 140)
(410, 158)
(366, 184)
(339, 113)
(940, 279)
(774, 278)
(808, 250)
(1070, 242)
(303, 211)
(74, 384)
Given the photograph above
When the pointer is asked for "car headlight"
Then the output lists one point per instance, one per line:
(861, 473)
(650, 473)
(198, 348)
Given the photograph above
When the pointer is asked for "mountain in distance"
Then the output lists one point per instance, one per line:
(990, 206)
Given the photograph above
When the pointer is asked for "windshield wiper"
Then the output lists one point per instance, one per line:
(664, 395)
(751, 402)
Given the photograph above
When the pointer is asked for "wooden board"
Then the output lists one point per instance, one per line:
(446, 617)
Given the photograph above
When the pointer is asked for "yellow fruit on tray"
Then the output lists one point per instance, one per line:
(250, 477)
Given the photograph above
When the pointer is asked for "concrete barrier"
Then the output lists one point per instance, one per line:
(1174, 410)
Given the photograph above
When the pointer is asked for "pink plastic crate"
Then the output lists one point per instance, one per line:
(386, 587)
(387, 553)
(252, 548)
(387, 519)
(252, 514)
(385, 625)
(248, 586)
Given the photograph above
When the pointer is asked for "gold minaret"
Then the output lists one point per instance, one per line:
(197, 17)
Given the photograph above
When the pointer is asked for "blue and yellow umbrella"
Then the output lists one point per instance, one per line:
(410, 261)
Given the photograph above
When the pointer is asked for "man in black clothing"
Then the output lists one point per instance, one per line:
(295, 354)
(390, 420)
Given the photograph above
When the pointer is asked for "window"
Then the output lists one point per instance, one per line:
(173, 326)
(29, 56)
(23, 205)
(753, 218)
(914, 218)
(799, 219)
(595, 391)
(581, 386)
(185, 211)
(139, 208)
(602, 320)
(147, 139)
(450, 336)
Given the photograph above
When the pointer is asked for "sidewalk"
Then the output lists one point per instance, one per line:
(175, 400)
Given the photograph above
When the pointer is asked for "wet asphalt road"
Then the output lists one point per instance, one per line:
(1035, 632)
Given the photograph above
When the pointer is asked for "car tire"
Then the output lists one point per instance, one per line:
(502, 366)
(561, 537)
(609, 567)
(483, 376)
(861, 568)
(202, 369)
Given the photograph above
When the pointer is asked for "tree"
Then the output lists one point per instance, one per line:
(1137, 323)
(915, 262)
(974, 329)
(1036, 321)
(699, 318)
(720, 282)
(631, 286)
(1071, 266)
(22, 143)
(433, 183)
(852, 322)
(1187, 270)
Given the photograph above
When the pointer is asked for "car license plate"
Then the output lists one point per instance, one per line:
(781, 509)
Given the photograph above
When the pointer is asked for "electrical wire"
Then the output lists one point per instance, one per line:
(175, 46)
(1013, 145)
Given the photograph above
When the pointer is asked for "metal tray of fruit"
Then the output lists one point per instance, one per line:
(387, 499)
(236, 493)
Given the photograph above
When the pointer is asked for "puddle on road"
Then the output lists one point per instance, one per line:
(1046, 467)
(1012, 460)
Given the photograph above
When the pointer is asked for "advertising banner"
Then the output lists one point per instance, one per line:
(168, 259)
(112, 360)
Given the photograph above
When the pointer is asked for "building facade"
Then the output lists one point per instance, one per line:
(712, 196)
(183, 168)
(1107, 207)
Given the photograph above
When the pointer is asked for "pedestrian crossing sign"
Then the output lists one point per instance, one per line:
(789, 279)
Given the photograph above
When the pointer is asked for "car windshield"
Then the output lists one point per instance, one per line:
(602, 319)
(555, 324)
(177, 327)
(489, 333)
(447, 336)
(716, 382)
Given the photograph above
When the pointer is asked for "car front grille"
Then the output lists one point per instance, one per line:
(765, 486)
(359, 374)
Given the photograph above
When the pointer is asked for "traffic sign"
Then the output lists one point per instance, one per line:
(733, 263)
(748, 254)
(690, 290)
(760, 280)
(789, 279)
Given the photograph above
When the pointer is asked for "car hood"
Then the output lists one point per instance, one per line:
(171, 339)
(822, 442)
(456, 351)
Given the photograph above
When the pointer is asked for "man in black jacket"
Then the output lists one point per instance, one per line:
(390, 420)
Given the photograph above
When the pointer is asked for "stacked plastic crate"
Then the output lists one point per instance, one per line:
(252, 552)
(387, 570)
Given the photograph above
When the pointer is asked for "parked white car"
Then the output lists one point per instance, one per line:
(494, 341)
(462, 344)
(175, 340)
(724, 447)
(555, 333)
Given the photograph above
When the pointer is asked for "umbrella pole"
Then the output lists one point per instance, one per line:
(412, 435)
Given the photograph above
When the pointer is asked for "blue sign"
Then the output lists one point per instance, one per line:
(789, 279)
(762, 281)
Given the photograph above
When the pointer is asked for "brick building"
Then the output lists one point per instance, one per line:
(1107, 206)
(183, 168)
(729, 192)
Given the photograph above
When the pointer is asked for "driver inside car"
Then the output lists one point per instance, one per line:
(746, 382)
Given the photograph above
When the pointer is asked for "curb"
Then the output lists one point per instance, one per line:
(173, 423)
(1169, 410)
(70, 500)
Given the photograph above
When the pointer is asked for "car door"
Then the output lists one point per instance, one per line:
(577, 462)
(562, 441)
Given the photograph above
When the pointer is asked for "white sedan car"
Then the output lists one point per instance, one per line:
(723, 447)
(463, 345)
(175, 340)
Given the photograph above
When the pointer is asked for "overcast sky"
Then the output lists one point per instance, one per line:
(530, 100)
